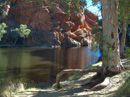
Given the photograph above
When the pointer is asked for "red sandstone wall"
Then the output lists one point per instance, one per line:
(62, 28)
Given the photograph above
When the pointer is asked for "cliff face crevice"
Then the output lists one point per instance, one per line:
(54, 26)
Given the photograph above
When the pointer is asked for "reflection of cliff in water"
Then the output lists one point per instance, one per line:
(69, 58)
(55, 60)
(42, 65)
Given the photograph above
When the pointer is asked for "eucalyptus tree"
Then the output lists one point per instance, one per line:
(111, 53)
(124, 20)
(23, 32)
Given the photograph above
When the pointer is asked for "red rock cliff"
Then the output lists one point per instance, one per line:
(55, 26)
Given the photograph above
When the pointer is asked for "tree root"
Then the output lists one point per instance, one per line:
(97, 82)
(74, 71)
(96, 79)
(121, 66)
(99, 86)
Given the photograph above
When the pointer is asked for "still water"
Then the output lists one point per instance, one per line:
(40, 65)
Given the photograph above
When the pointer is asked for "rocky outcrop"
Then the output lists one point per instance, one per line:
(54, 26)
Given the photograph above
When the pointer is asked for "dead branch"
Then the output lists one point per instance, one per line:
(74, 71)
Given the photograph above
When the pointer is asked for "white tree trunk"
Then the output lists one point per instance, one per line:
(111, 59)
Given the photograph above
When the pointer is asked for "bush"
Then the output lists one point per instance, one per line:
(23, 31)
(3, 26)
(127, 52)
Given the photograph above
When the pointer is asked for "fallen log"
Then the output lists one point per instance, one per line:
(74, 71)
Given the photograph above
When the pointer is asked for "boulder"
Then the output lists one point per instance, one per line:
(72, 43)
(85, 42)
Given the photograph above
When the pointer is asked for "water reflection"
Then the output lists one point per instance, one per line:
(42, 64)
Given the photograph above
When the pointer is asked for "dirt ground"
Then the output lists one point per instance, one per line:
(75, 89)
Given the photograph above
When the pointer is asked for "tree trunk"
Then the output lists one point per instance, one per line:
(111, 56)
(123, 38)
(16, 41)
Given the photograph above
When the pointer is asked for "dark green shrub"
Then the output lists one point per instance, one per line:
(127, 52)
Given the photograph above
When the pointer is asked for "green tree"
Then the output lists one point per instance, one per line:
(23, 32)
(3, 31)
(124, 19)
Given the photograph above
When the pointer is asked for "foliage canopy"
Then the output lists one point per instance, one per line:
(124, 10)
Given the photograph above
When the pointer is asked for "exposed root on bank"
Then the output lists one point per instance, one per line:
(97, 82)
(96, 79)
(121, 67)
(100, 81)
(74, 71)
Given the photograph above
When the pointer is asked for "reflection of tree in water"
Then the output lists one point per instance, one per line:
(14, 63)
(11, 65)
(10, 62)
(13, 77)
